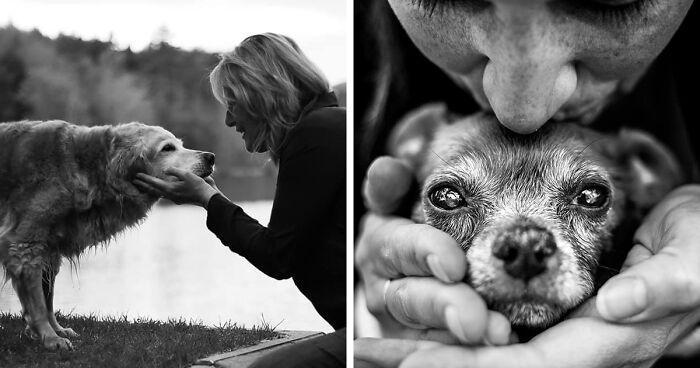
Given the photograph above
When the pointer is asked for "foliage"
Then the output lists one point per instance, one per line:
(91, 82)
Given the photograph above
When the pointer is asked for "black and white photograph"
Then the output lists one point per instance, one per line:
(173, 183)
(525, 181)
(349, 183)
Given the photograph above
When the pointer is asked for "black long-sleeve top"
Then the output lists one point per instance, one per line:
(305, 239)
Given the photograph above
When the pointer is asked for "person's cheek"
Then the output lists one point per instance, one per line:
(614, 51)
(449, 40)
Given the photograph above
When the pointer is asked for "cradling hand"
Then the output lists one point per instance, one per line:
(661, 275)
(412, 273)
(185, 188)
(649, 309)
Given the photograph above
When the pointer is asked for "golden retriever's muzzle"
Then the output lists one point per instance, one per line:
(205, 167)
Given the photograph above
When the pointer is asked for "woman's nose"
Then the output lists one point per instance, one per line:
(528, 77)
(229, 121)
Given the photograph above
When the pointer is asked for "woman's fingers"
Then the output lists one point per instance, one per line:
(428, 302)
(178, 173)
(151, 181)
(388, 180)
(147, 187)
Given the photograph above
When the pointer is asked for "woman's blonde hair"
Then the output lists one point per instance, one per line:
(271, 79)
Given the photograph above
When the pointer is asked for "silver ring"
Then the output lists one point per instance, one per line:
(386, 288)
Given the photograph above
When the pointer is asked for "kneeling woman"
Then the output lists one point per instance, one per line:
(281, 103)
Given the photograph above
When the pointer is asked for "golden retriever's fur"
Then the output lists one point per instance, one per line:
(64, 188)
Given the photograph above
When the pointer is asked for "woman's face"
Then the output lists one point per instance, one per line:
(533, 60)
(248, 126)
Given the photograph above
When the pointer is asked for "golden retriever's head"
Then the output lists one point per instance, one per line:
(137, 147)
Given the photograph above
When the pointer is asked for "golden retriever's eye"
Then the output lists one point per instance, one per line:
(168, 147)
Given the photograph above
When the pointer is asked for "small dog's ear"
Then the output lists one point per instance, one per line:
(127, 158)
(411, 137)
(649, 169)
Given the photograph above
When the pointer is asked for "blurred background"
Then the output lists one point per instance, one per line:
(95, 62)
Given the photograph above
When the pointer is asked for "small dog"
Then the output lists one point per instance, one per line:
(64, 188)
(534, 214)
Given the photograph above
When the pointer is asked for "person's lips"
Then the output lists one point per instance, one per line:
(581, 112)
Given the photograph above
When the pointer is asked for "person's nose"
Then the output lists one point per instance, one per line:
(229, 121)
(529, 74)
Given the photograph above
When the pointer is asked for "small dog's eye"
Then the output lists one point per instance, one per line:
(446, 198)
(168, 147)
(595, 196)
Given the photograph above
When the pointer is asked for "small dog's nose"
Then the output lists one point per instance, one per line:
(524, 249)
(209, 158)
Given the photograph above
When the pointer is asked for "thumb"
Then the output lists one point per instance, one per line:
(653, 286)
(387, 182)
(174, 171)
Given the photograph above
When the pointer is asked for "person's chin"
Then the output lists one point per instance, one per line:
(250, 147)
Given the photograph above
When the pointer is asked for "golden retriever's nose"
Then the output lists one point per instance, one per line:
(209, 158)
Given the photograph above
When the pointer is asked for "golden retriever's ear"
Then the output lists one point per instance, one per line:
(648, 170)
(411, 137)
(127, 158)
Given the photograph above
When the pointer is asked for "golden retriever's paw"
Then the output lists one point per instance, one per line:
(66, 332)
(54, 343)
(28, 332)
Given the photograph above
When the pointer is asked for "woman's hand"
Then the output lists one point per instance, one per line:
(412, 273)
(187, 188)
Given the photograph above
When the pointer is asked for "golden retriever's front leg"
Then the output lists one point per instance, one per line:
(48, 283)
(25, 263)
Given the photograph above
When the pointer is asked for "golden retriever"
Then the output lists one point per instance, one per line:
(64, 188)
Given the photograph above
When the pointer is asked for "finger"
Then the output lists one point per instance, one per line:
(154, 183)
(687, 347)
(498, 329)
(385, 352)
(430, 334)
(577, 343)
(388, 180)
(425, 301)
(145, 187)
(659, 285)
(179, 173)
(461, 357)
(660, 274)
(393, 247)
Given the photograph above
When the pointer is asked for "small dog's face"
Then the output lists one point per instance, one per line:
(532, 213)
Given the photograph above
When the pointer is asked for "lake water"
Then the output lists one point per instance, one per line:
(173, 267)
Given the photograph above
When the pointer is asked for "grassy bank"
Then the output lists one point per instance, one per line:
(119, 342)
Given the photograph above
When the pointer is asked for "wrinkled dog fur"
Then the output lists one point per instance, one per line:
(533, 213)
(64, 188)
